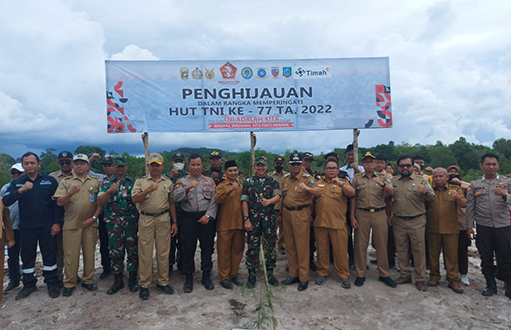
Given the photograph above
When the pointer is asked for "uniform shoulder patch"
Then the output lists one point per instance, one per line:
(178, 184)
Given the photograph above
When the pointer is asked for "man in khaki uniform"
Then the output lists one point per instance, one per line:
(443, 230)
(77, 194)
(366, 213)
(279, 174)
(230, 241)
(296, 218)
(330, 224)
(409, 220)
(6, 239)
(153, 196)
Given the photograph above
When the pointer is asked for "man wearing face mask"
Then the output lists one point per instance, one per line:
(177, 172)
(279, 175)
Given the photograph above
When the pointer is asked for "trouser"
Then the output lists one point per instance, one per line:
(337, 238)
(122, 240)
(463, 244)
(230, 245)
(280, 230)
(412, 231)
(351, 252)
(490, 241)
(264, 232)
(29, 238)
(153, 231)
(377, 221)
(391, 247)
(297, 234)
(312, 244)
(60, 255)
(449, 244)
(14, 259)
(176, 248)
(2, 261)
(103, 243)
(193, 231)
(73, 240)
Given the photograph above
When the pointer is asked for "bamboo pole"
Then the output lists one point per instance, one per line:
(356, 133)
(145, 139)
(253, 142)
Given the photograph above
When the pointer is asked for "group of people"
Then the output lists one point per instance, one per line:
(301, 214)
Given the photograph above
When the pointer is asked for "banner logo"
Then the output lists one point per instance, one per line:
(197, 74)
(210, 74)
(184, 73)
(262, 73)
(286, 71)
(247, 73)
(275, 71)
(228, 71)
(315, 72)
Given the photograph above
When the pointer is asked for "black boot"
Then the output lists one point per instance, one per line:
(206, 280)
(508, 288)
(188, 283)
(491, 286)
(118, 284)
(133, 282)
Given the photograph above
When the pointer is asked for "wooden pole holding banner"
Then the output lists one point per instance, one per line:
(356, 133)
(145, 139)
(253, 142)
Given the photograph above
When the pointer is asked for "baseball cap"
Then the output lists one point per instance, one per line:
(119, 161)
(308, 155)
(81, 157)
(65, 155)
(261, 160)
(295, 158)
(368, 155)
(108, 160)
(155, 158)
(178, 156)
(17, 167)
(214, 154)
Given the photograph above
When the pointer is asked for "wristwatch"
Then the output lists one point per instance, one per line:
(95, 218)
(245, 218)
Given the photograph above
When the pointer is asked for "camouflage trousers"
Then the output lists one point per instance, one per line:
(265, 230)
(122, 239)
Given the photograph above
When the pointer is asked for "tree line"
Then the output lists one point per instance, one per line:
(465, 155)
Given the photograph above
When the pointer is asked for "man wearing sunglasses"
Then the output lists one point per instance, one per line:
(407, 213)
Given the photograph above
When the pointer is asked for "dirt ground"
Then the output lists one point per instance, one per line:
(372, 306)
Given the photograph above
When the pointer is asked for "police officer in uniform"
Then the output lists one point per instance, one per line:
(196, 193)
(153, 196)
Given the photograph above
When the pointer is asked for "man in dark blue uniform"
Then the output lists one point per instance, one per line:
(39, 222)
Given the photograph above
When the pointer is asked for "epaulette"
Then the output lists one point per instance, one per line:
(286, 175)
(307, 175)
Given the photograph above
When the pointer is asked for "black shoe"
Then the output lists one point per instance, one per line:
(118, 284)
(312, 265)
(272, 280)
(188, 287)
(25, 292)
(144, 293)
(90, 287)
(12, 286)
(302, 286)
(491, 286)
(237, 280)
(166, 289)
(133, 282)
(359, 281)
(226, 284)
(387, 280)
(489, 291)
(290, 280)
(68, 292)
(105, 273)
(53, 290)
(206, 281)
(251, 282)
(60, 284)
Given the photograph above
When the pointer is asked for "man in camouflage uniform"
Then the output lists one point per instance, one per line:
(121, 217)
(259, 195)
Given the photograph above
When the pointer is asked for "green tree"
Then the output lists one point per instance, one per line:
(441, 156)
(466, 158)
(503, 147)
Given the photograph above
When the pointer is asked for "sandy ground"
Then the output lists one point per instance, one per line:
(372, 306)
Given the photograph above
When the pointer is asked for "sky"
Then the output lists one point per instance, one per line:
(450, 65)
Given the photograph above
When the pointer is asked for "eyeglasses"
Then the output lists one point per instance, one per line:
(405, 166)
(330, 168)
(64, 162)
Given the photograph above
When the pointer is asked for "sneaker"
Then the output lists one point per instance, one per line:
(463, 279)
(320, 280)
(25, 292)
(345, 283)
(359, 281)
(53, 290)
(12, 286)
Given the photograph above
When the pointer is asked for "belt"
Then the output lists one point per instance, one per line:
(154, 214)
(410, 218)
(296, 208)
(373, 210)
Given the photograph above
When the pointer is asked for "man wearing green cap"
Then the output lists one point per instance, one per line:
(121, 217)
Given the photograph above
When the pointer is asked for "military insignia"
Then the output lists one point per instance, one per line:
(500, 183)
(261, 73)
(206, 181)
(210, 74)
(178, 184)
(228, 71)
(207, 192)
(311, 181)
(286, 71)
(91, 189)
(429, 185)
(480, 192)
(321, 185)
(247, 73)
(184, 73)
(413, 186)
(361, 184)
(164, 187)
(275, 71)
(197, 74)
(469, 188)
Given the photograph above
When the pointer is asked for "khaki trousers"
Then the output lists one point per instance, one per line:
(151, 229)
(280, 230)
(412, 230)
(378, 222)
(296, 236)
(72, 241)
(2, 261)
(230, 245)
(339, 240)
(450, 250)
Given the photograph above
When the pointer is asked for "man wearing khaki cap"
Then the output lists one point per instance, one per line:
(152, 194)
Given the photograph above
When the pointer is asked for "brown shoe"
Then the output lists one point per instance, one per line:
(420, 286)
(433, 282)
(455, 286)
(403, 280)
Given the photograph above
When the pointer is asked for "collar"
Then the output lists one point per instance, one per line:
(496, 178)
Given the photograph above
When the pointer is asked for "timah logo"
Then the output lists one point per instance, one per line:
(316, 72)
